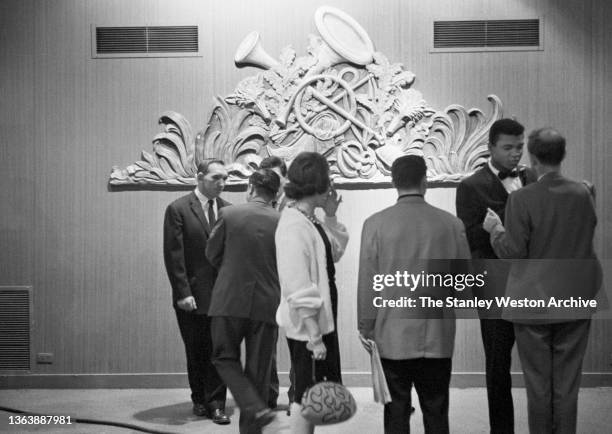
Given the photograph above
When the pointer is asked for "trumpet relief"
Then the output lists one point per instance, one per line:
(342, 99)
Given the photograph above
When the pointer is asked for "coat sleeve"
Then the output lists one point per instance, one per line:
(174, 253)
(368, 268)
(472, 212)
(215, 245)
(338, 236)
(293, 258)
(512, 242)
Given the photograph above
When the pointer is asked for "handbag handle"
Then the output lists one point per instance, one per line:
(314, 376)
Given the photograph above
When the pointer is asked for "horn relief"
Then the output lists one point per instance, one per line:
(342, 99)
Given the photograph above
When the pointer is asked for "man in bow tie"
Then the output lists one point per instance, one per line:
(489, 187)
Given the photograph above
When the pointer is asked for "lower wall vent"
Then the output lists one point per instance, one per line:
(15, 321)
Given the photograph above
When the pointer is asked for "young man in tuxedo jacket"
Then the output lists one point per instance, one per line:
(489, 187)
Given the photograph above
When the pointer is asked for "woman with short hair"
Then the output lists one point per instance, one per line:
(306, 249)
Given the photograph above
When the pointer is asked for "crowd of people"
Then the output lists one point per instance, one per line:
(239, 272)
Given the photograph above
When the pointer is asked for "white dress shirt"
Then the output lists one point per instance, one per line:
(510, 183)
(204, 201)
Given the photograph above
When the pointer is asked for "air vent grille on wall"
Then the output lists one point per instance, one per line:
(15, 328)
(146, 41)
(487, 34)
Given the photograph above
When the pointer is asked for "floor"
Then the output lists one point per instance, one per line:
(169, 411)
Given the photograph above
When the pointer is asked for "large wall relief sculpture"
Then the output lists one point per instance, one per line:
(342, 99)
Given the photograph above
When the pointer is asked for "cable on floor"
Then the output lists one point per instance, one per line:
(91, 421)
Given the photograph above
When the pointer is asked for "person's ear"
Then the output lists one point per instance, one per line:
(424, 185)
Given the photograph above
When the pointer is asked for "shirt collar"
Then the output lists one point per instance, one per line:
(519, 168)
(492, 167)
(202, 198)
(414, 197)
(549, 175)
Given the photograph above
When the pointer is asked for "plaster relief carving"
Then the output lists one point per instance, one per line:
(342, 99)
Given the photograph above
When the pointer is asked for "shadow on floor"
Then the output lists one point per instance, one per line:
(176, 414)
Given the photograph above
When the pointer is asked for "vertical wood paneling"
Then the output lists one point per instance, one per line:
(94, 258)
(17, 144)
(600, 351)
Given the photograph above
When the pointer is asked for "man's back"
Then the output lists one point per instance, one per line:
(550, 227)
(556, 217)
(401, 238)
(247, 284)
(413, 229)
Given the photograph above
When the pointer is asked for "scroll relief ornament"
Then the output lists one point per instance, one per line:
(342, 99)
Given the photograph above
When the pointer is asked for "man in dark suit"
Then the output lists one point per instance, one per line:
(245, 298)
(187, 225)
(549, 225)
(489, 187)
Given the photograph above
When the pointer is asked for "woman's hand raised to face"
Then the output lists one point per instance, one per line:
(331, 202)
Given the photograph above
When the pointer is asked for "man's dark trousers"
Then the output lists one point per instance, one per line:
(498, 339)
(249, 386)
(206, 385)
(431, 379)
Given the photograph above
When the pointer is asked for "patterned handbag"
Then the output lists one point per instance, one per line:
(327, 402)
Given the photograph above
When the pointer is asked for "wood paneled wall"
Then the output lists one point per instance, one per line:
(94, 256)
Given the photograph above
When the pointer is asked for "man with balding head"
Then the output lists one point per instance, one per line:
(549, 228)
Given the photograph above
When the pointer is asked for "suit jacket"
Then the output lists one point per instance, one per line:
(241, 246)
(550, 226)
(405, 237)
(475, 194)
(186, 232)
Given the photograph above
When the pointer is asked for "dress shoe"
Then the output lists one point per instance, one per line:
(219, 417)
(263, 418)
(200, 410)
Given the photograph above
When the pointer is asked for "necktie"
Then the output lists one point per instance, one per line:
(211, 213)
(512, 173)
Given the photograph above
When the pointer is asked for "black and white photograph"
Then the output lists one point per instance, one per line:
(282, 216)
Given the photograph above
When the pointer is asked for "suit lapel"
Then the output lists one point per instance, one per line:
(497, 188)
(196, 207)
(220, 204)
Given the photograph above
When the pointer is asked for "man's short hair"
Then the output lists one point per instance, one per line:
(204, 165)
(408, 171)
(273, 161)
(506, 126)
(547, 145)
(266, 183)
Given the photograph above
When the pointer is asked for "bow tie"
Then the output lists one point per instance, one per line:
(512, 173)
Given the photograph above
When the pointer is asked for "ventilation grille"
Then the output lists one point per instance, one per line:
(14, 329)
(487, 34)
(145, 41)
